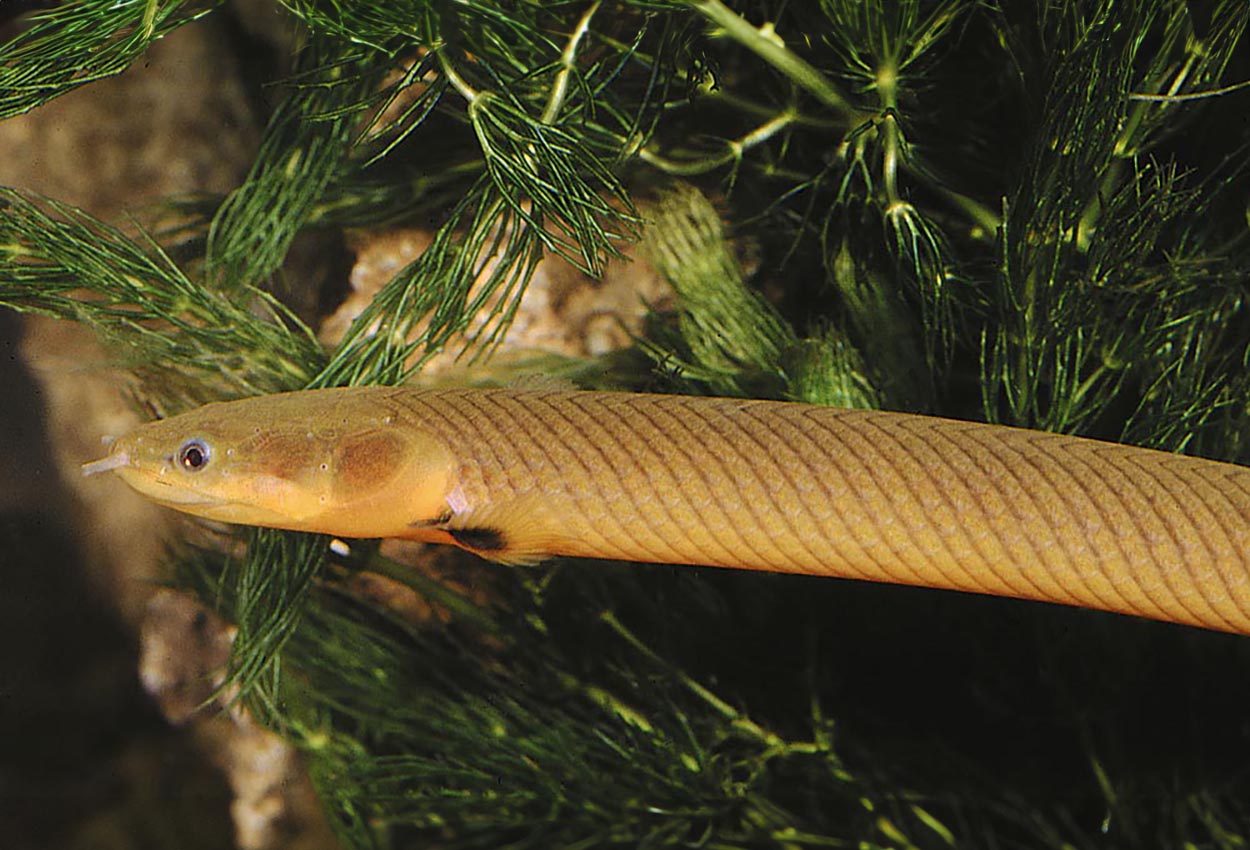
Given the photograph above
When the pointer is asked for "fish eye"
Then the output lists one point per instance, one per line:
(194, 455)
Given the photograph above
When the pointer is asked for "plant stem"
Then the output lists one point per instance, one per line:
(769, 48)
(561, 86)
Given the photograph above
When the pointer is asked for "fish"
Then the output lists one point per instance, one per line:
(521, 475)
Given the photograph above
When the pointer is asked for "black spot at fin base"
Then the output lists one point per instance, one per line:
(485, 541)
(516, 532)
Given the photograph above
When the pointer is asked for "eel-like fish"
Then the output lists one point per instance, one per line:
(517, 476)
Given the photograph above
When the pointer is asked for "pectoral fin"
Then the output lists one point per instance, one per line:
(518, 533)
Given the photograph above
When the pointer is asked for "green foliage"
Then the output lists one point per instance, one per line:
(307, 140)
(1101, 273)
(72, 44)
(735, 342)
(1026, 213)
(410, 740)
(184, 340)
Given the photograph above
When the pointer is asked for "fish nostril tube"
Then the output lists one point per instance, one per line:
(106, 464)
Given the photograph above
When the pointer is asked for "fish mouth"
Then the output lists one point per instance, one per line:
(166, 492)
(148, 484)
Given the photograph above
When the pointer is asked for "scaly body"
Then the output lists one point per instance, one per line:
(521, 475)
